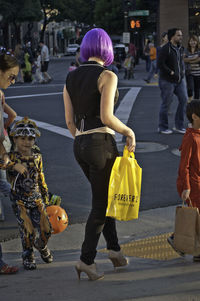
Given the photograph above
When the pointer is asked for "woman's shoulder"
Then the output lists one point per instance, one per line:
(108, 74)
(107, 77)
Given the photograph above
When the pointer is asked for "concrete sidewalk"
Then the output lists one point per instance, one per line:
(144, 279)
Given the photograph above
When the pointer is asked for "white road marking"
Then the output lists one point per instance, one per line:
(125, 107)
(33, 95)
(122, 112)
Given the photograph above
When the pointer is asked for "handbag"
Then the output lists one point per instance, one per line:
(124, 188)
(187, 230)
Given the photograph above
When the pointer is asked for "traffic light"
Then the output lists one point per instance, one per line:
(129, 4)
(135, 24)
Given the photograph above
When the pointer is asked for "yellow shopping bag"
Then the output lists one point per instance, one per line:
(124, 188)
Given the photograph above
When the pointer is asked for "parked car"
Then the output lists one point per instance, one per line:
(71, 49)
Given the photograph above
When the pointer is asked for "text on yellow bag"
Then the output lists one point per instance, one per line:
(124, 188)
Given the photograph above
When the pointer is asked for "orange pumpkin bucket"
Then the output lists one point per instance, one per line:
(58, 218)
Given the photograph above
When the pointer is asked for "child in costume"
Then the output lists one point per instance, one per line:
(29, 192)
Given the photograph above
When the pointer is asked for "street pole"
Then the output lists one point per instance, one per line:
(125, 21)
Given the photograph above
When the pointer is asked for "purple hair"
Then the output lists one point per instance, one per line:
(97, 43)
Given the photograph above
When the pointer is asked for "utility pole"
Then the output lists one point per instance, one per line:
(127, 6)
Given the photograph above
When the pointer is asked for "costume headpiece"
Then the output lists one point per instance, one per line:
(25, 127)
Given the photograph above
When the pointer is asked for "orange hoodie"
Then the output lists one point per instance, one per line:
(189, 168)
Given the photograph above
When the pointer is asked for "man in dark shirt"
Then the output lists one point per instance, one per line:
(172, 81)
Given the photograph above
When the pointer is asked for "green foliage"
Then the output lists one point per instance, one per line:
(77, 10)
(109, 16)
(20, 11)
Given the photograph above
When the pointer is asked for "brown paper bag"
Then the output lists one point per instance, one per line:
(187, 230)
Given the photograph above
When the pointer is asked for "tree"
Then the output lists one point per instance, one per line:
(50, 11)
(80, 11)
(17, 12)
(109, 15)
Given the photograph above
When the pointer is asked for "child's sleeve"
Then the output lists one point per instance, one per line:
(42, 183)
(186, 153)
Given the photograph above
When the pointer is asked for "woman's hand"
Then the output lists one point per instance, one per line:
(20, 168)
(185, 194)
(130, 141)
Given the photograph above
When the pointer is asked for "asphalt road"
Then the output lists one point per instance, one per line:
(44, 103)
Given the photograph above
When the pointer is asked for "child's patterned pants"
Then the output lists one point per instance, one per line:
(28, 219)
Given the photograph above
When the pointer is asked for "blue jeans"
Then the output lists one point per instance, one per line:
(96, 154)
(4, 185)
(148, 63)
(5, 189)
(2, 263)
(152, 70)
(167, 91)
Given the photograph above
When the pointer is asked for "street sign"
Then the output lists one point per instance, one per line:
(126, 37)
(138, 13)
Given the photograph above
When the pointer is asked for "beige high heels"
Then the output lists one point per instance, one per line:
(90, 270)
(117, 258)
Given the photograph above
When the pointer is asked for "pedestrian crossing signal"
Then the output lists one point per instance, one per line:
(135, 24)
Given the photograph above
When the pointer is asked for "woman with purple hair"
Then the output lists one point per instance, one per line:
(89, 97)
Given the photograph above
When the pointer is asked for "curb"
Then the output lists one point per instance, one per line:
(2, 217)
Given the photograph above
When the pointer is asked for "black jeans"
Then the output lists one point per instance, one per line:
(193, 86)
(96, 154)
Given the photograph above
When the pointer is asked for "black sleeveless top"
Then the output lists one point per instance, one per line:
(82, 87)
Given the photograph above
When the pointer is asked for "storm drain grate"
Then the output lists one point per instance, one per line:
(155, 247)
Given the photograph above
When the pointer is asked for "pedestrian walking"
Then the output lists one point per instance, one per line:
(29, 193)
(28, 49)
(188, 180)
(164, 40)
(89, 97)
(172, 81)
(27, 70)
(147, 56)
(192, 62)
(45, 61)
(19, 54)
(9, 68)
(153, 67)
(128, 66)
(72, 66)
(37, 74)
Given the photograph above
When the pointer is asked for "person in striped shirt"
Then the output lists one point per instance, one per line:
(192, 62)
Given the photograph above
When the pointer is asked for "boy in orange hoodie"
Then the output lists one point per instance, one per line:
(188, 181)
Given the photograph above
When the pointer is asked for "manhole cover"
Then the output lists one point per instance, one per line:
(144, 147)
(155, 247)
(176, 152)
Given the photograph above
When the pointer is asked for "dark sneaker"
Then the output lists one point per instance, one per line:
(46, 255)
(45, 252)
(180, 131)
(166, 132)
(196, 258)
(29, 262)
(170, 240)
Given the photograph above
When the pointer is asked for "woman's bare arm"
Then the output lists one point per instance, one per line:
(11, 115)
(69, 112)
(107, 88)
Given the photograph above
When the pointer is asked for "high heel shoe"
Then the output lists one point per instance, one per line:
(117, 258)
(90, 270)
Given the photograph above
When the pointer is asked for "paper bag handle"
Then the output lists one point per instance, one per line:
(189, 201)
